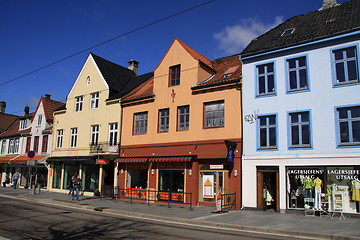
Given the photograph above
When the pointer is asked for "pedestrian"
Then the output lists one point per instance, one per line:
(15, 179)
(7, 180)
(77, 186)
(71, 186)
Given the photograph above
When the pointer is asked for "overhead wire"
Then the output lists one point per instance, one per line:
(107, 41)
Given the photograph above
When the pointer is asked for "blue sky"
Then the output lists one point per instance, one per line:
(37, 33)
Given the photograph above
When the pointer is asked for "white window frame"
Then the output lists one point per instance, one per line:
(79, 103)
(94, 101)
(113, 132)
(95, 135)
(73, 137)
(59, 138)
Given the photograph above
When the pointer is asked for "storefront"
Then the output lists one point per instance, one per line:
(333, 188)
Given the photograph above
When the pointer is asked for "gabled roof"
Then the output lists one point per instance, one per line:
(313, 26)
(197, 56)
(14, 130)
(116, 76)
(228, 70)
(49, 107)
(6, 120)
(143, 91)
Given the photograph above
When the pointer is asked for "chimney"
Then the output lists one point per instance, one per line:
(134, 66)
(47, 96)
(328, 4)
(26, 110)
(2, 107)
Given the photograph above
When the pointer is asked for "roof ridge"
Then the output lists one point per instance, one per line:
(191, 51)
(108, 61)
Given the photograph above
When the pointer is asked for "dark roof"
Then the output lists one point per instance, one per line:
(6, 120)
(143, 91)
(313, 26)
(227, 70)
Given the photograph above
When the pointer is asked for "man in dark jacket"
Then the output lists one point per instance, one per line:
(77, 186)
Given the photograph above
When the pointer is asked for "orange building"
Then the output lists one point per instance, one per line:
(181, 136)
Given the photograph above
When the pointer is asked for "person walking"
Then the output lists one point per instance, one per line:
(15, 179)
(77, 186)
(71, 186)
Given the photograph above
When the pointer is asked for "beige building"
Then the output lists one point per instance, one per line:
(87, 130)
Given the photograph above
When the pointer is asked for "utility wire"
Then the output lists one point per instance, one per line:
(107, 41)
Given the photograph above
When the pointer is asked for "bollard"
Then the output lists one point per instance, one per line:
(33, 189)
(39, 188)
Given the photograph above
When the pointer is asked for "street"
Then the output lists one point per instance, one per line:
(26, 220)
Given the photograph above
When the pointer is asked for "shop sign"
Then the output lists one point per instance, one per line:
(344, 174)
(305, 173)
(208, 186)
(102, 161)
(216, 167)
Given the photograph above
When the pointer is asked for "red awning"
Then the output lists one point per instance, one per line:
(21, 158)
(131, 160)
(171, 159)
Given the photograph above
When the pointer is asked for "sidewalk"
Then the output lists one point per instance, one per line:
(290, 224)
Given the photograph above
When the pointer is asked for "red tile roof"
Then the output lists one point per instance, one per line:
(49, 107)
(143, 91)
(6, 120)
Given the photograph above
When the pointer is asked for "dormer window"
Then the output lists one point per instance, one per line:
(230, 71)
(288, 31)
(39, 120)
(23, 124)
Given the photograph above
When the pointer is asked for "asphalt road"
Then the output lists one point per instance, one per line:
(25, 220)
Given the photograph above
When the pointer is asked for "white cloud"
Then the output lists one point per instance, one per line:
(233, 39)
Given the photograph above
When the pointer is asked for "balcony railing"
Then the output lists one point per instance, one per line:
(104, 147)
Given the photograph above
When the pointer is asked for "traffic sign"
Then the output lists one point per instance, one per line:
(31, 154)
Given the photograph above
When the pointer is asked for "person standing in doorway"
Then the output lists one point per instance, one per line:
(15, 179)
(77, 186)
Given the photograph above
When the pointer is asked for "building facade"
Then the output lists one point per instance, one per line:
(31, 132)
(181, 138)
(301, 108)
(87, 129)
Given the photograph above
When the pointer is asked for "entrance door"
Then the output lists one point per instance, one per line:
(108, 180)
(268, 189)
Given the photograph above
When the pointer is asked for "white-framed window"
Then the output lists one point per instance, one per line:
(39, 120)
(59, 138)
(78, 103)
(3, 146)
(23, 124)
(348, 125)
(164, 120)
(140, 123)
(94, 102)
(265, 79)
(73, 137)
(297, 74)
(267, 134)
(113, 132)
(299, 127)
(346, 65)
(183, 118)
(94, 134)
(214, 114)
(13, 145)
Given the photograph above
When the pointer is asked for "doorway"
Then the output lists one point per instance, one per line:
(268, 189)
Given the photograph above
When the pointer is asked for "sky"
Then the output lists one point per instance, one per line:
(36, 34)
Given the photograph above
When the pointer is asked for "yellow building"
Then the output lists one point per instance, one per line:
(182, 138)
(87, 130)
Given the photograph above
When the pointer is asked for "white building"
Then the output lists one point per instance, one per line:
(301, 108)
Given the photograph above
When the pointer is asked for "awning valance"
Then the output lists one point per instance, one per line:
(132, 159)
(73, 159)
(171, 159)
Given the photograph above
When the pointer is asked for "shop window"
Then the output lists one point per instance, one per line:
(136, 178)
(171, 180)
(69, 171)
(90, 177)
(57, 176)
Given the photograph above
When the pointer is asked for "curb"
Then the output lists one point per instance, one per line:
(225, 226)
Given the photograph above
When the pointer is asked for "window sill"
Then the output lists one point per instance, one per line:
(346, 84)
(266, 95)
(300, 148)
(267, 149)
(298, 91)
(348, 145)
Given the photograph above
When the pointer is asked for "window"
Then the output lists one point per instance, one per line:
(174, 78)
(23, 124)
(73, 137)
(39, 120)
(349, 125)
(94, 134)
(346, 66)
(267, 132)
(113, 127)
(94, 100)
(3, 146)
(45, 143)
(140, 123)
(265, 79)
(299, 129)
(164, 120)
(28, 143)
(297, 74)
(36, 144)
(59, 139)
(78, 104)
(13, 145)
(183, 118)
(214, 114)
